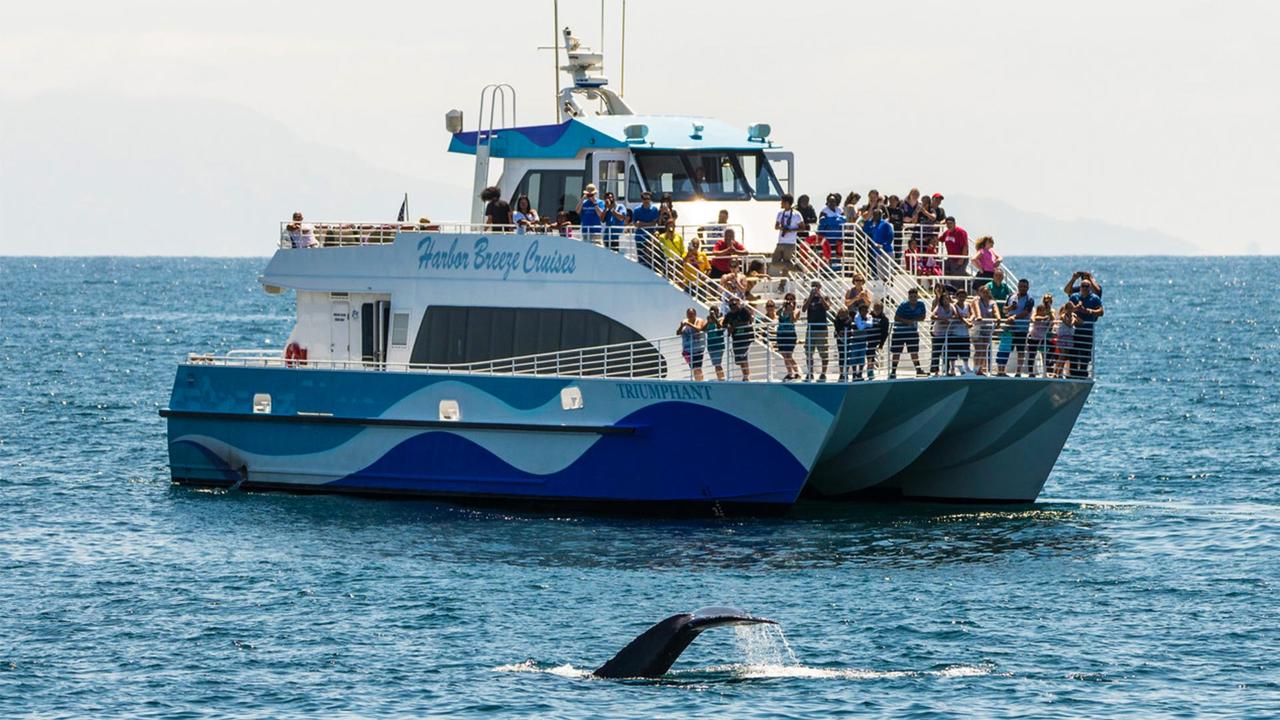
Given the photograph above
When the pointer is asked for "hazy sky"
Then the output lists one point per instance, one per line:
(1147, 114)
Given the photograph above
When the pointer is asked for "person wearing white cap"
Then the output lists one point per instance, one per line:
(590, 214)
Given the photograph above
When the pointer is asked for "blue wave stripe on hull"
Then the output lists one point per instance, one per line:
(193, 461)
(667, 458)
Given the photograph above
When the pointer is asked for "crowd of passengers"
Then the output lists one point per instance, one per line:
(976, 323)
(915, 232)
(1001, 330)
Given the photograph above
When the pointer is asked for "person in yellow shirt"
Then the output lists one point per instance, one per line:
(695, 261)
(672, 245)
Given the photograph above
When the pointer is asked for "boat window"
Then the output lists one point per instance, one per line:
(761, 176)
(400, 329)
(449, 411)
(723, 175)
(571, 398)
(612, 177)
(551, 191)
(717, 176)
(666, 173)
(459, 335)
(634, 188)
(261, 404)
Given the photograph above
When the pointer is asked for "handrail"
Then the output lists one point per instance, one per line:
(996, 346)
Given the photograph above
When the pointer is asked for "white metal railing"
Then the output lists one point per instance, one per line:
(837, 351)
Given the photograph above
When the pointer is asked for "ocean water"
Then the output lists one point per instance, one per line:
(1146, 581)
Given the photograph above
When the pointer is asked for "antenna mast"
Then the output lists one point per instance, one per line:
(622, 68)
(555, 58)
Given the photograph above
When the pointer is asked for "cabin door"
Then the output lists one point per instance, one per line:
(375, 322)
(340, 331)
(611, 173)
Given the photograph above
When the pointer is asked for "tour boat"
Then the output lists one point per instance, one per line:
(541, 367)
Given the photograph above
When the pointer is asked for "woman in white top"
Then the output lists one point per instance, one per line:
(943, 315)
(1064, 340)
(1038, 335)
(986, 315)
(958, 337)
(525, 216)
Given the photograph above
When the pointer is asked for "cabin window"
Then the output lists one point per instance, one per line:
(612, 177)
(634, 188)
(781, 165)
(760, 174)
(722, 175)
(571, 398)
(551, 191)
(400, 329)
(666, 173)
(453, 335)
(449, 411)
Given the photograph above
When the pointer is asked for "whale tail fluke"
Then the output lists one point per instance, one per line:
(654, 651)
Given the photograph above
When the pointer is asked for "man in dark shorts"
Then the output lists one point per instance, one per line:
(645, 217)
(1019, 310)
(816, 308)
(738, 324)
(906, 332)
(1087, 305)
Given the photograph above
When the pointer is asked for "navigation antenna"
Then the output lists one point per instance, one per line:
(582, 61)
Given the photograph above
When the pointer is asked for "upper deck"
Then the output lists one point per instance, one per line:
(646, 286)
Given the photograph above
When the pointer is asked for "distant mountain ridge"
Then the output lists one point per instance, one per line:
(101, 175)
(1023, 232)
(104, 175)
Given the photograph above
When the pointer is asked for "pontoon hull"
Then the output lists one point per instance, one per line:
(635, 442)
(979, 439)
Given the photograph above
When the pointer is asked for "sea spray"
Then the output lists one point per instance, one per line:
(764, 645)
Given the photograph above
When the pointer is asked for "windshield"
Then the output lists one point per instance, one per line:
(714, 175)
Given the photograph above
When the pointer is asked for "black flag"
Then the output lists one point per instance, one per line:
(404, 209)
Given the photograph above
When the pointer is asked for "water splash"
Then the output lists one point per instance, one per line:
(764, 645)
(530, 666)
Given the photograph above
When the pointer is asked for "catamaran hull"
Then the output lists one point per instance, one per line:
(642, 444)
(977, 439)
(1001, 445)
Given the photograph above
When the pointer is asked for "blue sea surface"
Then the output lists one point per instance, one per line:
(1145, 582)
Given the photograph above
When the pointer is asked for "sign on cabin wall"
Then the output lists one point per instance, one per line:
(518, 256)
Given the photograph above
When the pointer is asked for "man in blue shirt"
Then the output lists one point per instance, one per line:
(1088, 309)
(591, 214)
(906, 332)
(881, 234)
(645, 217)
(615, 218)
(1018, 308)
(831, 222)
(1084, 277)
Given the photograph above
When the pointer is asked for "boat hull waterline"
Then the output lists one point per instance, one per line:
(641, 444)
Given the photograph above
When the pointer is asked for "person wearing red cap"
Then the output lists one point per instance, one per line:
(938, 212)
(956, 241)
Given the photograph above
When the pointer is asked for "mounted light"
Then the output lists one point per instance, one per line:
(453, 121)
(636, 133)
(758, 132)
(697, 131)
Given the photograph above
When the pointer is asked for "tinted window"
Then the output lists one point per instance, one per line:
(728, 175)
(453, 335)
(551, 191)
